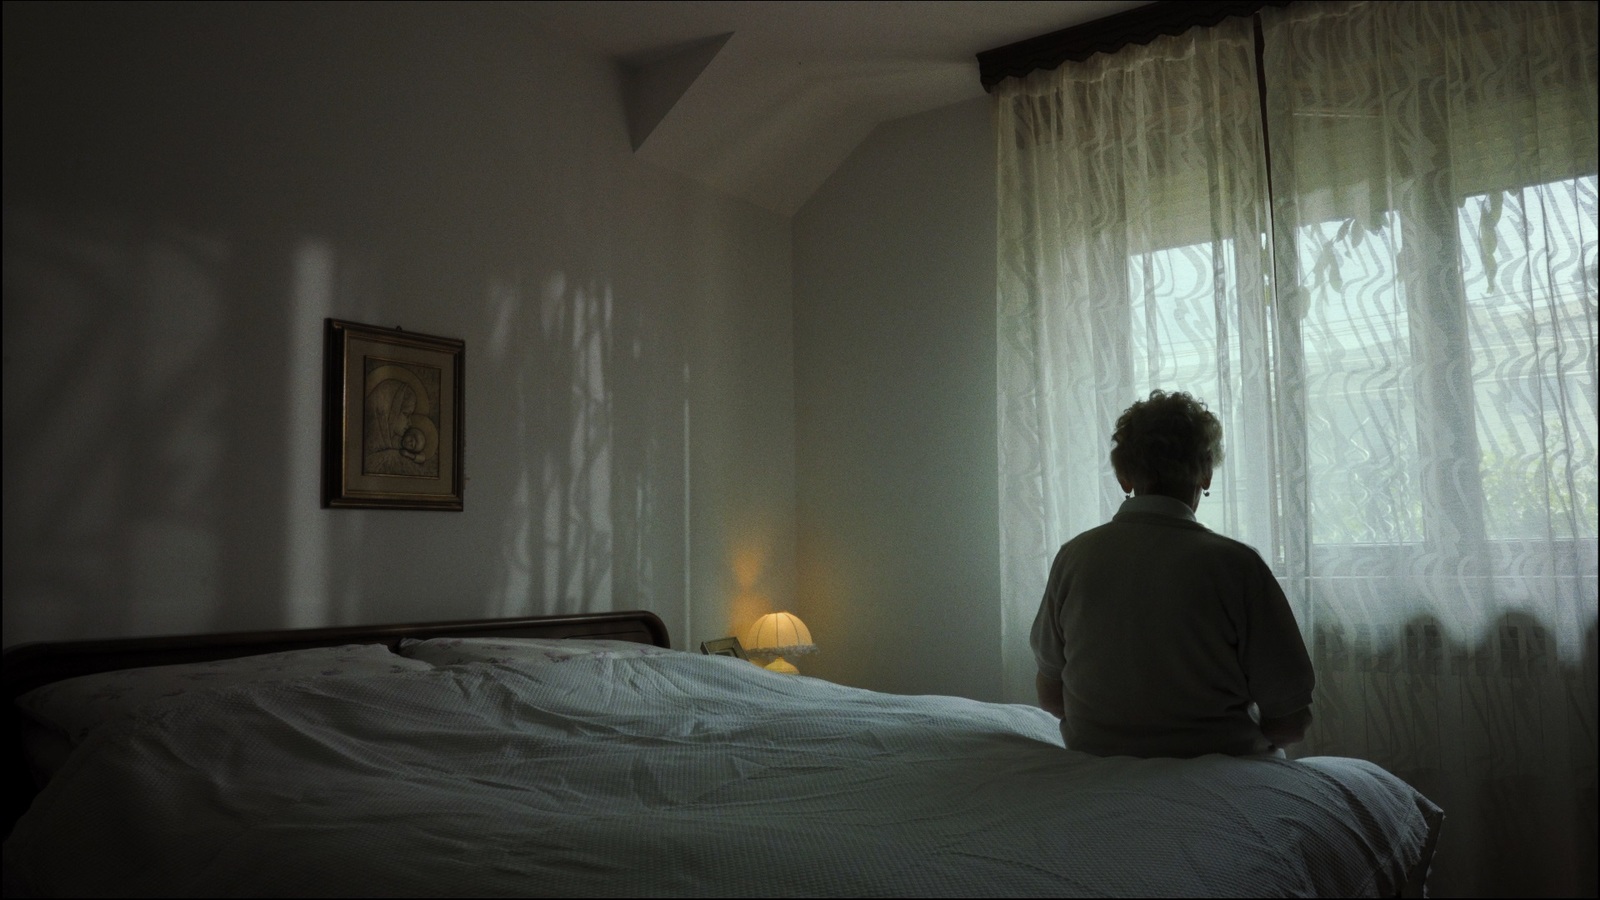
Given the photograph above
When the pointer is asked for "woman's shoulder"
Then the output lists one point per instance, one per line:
(1234, 551)
(1090, 536)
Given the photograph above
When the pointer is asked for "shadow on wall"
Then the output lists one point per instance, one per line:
(189, 191)
(1499, 733)
(163, 443)
(127, 397)
(582, 528)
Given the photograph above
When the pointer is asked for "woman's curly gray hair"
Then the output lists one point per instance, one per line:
(1166, 444)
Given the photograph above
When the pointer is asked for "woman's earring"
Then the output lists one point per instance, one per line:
(1208, 493)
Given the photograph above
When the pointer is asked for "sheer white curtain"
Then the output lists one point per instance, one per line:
(1400, 342)
(1133, 206)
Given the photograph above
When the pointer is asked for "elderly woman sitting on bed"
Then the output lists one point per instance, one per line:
(1157, 636)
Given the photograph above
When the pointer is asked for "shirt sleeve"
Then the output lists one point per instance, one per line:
(1046, 635)
(1273, 654)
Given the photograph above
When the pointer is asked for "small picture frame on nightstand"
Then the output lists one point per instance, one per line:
(728, 646)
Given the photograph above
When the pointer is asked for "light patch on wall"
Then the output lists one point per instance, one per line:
(748, 564)
(306, 524)
(688, 507)
(578, 518)
(747, 607)
(752, 600)
(504, 301)
(516, 586)
(558, 553)
(590, 467)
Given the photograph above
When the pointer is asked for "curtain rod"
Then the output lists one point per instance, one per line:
(1139, 25)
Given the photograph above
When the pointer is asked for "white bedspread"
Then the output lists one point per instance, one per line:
(679, 775)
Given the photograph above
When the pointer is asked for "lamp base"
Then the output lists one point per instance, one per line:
(779, 664)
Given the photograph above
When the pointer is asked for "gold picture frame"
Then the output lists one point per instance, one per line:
(728, 646)
(393, 418)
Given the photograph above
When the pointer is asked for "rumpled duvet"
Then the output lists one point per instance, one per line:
(680, 775)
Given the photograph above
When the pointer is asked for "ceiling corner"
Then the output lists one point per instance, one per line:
(653, 84)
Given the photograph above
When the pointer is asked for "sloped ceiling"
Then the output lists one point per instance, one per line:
(763, 99)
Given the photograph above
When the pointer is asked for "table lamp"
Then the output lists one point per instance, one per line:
(778, 635)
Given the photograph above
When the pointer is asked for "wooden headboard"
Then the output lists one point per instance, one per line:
(27, 666)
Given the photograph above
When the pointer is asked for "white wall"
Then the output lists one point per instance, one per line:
(190, 189)
(896, 421)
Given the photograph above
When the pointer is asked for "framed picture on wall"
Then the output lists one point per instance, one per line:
(392, 418)
(728, 646)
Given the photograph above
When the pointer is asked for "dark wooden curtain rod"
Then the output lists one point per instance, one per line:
(1139, 25)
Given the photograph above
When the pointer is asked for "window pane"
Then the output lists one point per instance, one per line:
(1528, 261)
(1365, 485)
(1174, 332)
(1174, 321)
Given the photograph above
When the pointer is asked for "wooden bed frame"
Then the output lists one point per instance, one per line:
(28, 666)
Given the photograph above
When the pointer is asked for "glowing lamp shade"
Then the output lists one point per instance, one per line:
(778, 635)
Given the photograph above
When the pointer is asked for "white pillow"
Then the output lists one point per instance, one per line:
(77, 705)
(456, 651)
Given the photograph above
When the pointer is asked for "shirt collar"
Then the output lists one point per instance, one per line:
(1158, 505)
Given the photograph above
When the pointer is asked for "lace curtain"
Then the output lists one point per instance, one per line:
(1398, 332)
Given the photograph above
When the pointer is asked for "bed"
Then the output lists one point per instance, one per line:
(580, 756)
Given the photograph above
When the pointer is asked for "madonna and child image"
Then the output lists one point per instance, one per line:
(401, 433)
